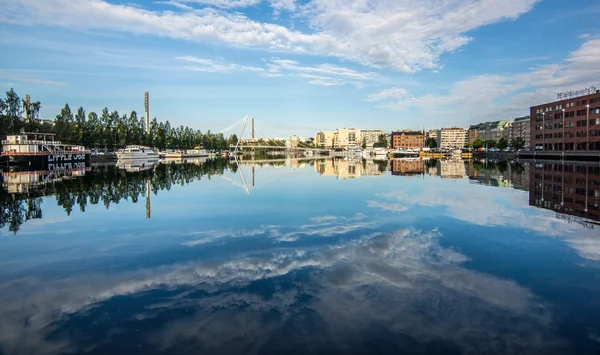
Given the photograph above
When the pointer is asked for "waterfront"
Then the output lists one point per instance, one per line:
(302, 256)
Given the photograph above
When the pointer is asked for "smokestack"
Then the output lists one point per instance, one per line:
(28, 107)
(252, 129)
(147, 108)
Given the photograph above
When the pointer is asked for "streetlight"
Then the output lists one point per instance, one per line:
(544, 131)
(563, 127)
(587, 132)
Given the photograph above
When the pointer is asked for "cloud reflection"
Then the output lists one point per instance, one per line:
(402, 288)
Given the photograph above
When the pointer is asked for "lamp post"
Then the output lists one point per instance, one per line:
(587, 131)
(544, 131)
(563, 127)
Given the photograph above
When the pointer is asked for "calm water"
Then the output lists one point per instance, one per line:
(300, 257)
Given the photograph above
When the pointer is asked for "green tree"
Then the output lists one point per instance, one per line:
(502, 144)
(381, 142)
(364, 143)
(517, 144)
(478, 143)
(431, 143)
(490, 143)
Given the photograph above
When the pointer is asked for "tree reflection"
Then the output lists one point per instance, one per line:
(106, 185)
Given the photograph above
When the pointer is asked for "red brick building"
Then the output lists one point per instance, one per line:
(580, 130)
(408, 139)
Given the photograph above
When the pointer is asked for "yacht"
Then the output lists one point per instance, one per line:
(196, 152)
(40, 148)
(137, 152)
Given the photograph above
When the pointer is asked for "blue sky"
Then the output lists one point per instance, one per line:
(301, 66)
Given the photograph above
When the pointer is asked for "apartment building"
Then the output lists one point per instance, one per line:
(371, 136)
(521, 128)
(472, 134)
(452, 138)
(326, 139)
(495, 130)
(408, 139)
(569, 124)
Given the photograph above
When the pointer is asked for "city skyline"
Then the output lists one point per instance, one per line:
(300, 66)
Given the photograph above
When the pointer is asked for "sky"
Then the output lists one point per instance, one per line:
(301, 66)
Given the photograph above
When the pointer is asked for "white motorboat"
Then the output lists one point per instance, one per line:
(137, 152)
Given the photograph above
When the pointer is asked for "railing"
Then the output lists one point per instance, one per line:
(26, 142)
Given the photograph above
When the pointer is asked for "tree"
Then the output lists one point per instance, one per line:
(431, 143)
(478, 143)
(381, 142)
(364, 143)
(502, 144)
(490, 143)
(517, 144)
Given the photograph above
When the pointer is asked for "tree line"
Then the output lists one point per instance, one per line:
(109, 129)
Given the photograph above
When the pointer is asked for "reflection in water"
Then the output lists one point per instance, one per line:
(375, 294)
(383, 265)
(572, 190)
(105, 184)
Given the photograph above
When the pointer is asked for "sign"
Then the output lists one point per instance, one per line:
(574, 93)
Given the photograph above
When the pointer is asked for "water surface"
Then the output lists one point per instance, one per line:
(302, 256)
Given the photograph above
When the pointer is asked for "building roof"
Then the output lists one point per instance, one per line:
(409, 133)
(524, 118)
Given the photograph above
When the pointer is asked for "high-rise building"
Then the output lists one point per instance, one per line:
(408, 139)
(570, 124)
(452, 138)
(520, 128)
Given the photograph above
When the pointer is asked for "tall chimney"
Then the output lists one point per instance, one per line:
(147, 108)
(252, 129)
(28, 107)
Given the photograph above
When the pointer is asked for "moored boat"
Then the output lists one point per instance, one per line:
(137, 152)
(32, 148)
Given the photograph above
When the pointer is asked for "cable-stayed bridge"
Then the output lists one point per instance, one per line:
(254, 136)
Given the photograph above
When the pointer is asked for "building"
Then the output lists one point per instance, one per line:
(370, 136)
(325, 139)
(452, 138)
(568, 124)
(347, 138)
(495, 130)
(408, 139)
(520, 128)
(485, 131)
(472, 134)
(433, 134)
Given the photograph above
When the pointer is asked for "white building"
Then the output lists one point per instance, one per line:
(452, 138)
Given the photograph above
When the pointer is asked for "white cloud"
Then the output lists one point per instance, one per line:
(176, 4)
(279, 5)
(29, 79)
(226, 4)
(402, 34)
(212, 66)
(393, 93)
(503, 96)
(322, 74)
